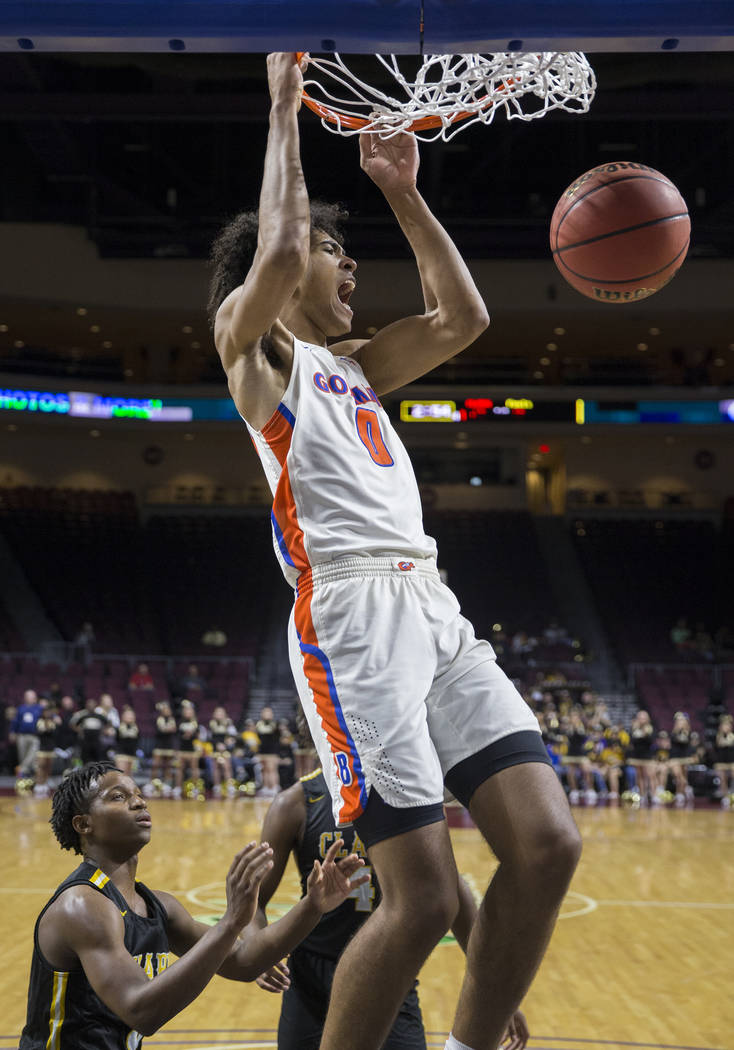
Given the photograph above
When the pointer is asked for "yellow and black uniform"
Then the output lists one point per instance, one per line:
(188, 729)
(219, 730)
(46, 733)
(165, 736)
(641, 744)
(680, 747)
(313, 962)
(725, 748)
(127, 739)
(64, 1013)
(614, 747)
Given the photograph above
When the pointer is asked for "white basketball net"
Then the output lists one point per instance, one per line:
(525, 86)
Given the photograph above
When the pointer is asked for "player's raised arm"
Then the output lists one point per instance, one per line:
(248, 311)
(329, 884)
(92, 928)
(455, 314)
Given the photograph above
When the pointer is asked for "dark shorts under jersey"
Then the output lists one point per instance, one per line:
(304, 1007)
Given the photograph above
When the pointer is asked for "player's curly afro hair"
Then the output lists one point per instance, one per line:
(234, 249)
(74, 795)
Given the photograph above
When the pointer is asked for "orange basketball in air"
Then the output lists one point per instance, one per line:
(620, 232)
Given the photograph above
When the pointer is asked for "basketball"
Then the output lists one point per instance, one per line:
(620, 232)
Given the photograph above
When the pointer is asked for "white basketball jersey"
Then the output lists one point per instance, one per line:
(342, 483)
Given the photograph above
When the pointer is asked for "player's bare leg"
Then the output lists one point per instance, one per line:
(524, 816)
(418, 879)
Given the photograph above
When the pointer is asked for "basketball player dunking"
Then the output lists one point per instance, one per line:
(399, 695)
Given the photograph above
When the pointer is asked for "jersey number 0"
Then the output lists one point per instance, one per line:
(368, 428)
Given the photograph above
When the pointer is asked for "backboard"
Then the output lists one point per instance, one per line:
(400, 27)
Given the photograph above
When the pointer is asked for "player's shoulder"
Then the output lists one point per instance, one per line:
(80, 908)
(286, 812)
(291, 798)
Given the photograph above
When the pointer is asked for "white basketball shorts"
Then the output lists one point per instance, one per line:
(394, 684)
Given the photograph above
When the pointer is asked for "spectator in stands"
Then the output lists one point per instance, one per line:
(23, 732)
(214, 637)
(681, 757)
(128, 739)
(680, 636)
(724, 643)
(107, 703)
(267, 731)
(641, 756)
(8, 750)
(305, 753)
(221, 729)
(611, 756)
(141, 679)
(46, 729)
(251, 739)
(702, 643)
(245, 763)
(83, 643)
(724, 758)
(554, 678)
(67, 737)
(165, 747)
(554, 634)
(192, 684)
(55, 693)
(595, 709)
(661, 767)
(187, 760)
(699, 750)
(89, 723)
(577, 759)
(109, 733)
(286, 754)
(523, 645)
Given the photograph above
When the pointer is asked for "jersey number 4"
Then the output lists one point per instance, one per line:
(368, 428)
(364, 894)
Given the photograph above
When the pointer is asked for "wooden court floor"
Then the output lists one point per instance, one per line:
(643, 955)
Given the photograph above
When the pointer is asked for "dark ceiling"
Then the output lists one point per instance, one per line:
(150, 151)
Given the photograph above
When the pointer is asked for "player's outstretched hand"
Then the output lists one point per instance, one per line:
(276, 979)
(392, 163)
(517, 1034)
(248, 869)
(285, 76)
(330, 883)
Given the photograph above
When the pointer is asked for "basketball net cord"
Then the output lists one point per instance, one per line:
(449, 92)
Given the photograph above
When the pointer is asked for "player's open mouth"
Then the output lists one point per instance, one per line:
(345, 291)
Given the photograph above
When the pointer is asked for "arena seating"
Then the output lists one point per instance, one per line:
(495, 566)
(645, 573)
(156, 586)
(146, 588)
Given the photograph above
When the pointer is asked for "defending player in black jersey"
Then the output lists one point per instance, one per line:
(103, 935)
(301, 820)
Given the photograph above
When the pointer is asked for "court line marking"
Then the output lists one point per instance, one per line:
(253, 1044)
(668, 904)
(588, 904)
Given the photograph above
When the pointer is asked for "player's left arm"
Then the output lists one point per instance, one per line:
(257, 949)
(517, 1033)
(455, 313)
